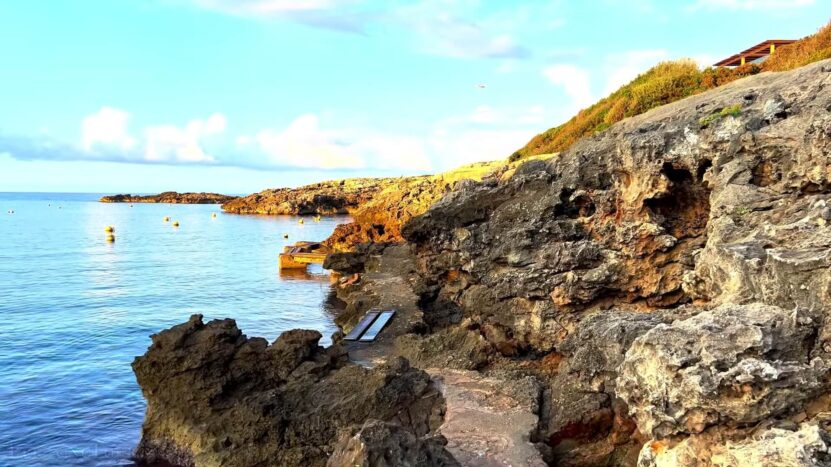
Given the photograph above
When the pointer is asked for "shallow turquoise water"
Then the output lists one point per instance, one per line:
(75, 310)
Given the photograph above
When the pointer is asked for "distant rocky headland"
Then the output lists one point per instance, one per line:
(170, 197)
(656, 294)
(325, 198)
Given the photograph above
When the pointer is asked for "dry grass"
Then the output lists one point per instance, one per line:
(665, 83)
(808, 50)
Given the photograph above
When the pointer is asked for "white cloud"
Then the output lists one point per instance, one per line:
(304, 144)
(266, 6)
(106, 129)
(468, 146)
(574, 81)
(169, 143)
(624, 67)
(749, 4)
(446, 28)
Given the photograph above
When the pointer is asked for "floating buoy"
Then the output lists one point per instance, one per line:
(109, 229)
(131, 205)
(300, 221)
(110, 238)
(166, 218)
(175, 223)
(213, 216)
(317, 219)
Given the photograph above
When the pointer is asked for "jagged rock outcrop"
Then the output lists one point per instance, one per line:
(216, 397)
(325, 198)
(171, 197)
(693, 240)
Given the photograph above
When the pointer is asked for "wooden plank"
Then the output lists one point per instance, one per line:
(362, 325)
(377, 326)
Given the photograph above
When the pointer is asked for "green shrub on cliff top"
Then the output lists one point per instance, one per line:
(665, 83)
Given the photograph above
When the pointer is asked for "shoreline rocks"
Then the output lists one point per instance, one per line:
(170, 197)
(216, 397)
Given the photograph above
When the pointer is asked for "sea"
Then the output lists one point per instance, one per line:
(76, 309)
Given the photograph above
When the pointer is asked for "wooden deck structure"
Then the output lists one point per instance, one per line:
(301, 254)
(758, 51)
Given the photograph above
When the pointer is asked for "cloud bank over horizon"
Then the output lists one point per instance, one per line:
(306, 143)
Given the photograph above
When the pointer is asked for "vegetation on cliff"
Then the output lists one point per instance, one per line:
(669, 82)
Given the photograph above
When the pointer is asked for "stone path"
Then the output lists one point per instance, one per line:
(488, 421)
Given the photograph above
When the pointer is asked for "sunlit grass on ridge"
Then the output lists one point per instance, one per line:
(665, 83)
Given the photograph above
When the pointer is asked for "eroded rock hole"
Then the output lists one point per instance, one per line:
(573, 205)
(685, 208)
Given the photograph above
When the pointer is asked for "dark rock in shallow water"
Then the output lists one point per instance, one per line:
(216, 397)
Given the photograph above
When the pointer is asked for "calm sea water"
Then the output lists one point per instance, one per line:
(75, 310)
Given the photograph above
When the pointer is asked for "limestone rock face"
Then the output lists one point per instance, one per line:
(170, 197)
(807, 446)
(655, 212)
(380, 444)
(215, 397)
(735, 364)
(700, 251)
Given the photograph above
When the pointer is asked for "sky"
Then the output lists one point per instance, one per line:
(236, 96)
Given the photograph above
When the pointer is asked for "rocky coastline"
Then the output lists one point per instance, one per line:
(170, 197)
(659, 294)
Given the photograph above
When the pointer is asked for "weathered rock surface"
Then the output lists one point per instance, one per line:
(666, 283)
(807, 446)
(215, 397)
(699, 251)
(171, 197)
(733, 365)
(584, 422)
(380, 444)
(325, 198)
(654, 212)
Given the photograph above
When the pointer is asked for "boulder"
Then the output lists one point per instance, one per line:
(216, 397)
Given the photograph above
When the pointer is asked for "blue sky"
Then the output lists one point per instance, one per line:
(239, 95)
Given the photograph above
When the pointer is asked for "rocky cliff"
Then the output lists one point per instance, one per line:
(661, 292)
(674, 269)
(170, 197)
